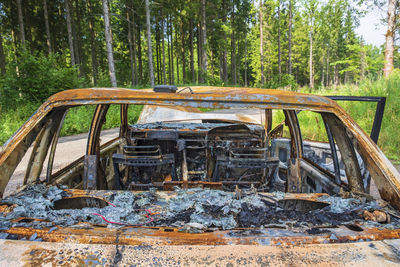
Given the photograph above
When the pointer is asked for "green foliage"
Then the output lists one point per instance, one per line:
(77, 121)
(12, 119)
(33, 78)
(312, 126)
(363, 113)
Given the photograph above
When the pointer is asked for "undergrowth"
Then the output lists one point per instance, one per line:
(363, 112)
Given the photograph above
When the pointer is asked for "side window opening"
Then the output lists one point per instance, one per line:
(17, 179)
(133, 113)
(322, 153)
(279, 137)
(33, 165)
(72, 140)
(316, 147)
(110, 128)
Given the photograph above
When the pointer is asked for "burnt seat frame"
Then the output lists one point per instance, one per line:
(251, 159)
(141, 156)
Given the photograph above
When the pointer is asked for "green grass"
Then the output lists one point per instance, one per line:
(363, 113)
(12, 119)
(77, 121)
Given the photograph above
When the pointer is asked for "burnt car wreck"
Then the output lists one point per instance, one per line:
(216, 167)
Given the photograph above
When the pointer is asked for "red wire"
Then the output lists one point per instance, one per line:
(141, 224)
(111, 204)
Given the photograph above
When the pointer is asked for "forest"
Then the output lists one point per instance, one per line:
(305, 45)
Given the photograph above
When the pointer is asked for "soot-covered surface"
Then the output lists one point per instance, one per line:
(192, 210)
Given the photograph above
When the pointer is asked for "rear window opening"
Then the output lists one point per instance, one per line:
(193, 171)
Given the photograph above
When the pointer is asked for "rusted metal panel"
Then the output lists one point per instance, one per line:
(294, 176)
(153, 236)
(90, 172)
(384, 174)
(347, 152)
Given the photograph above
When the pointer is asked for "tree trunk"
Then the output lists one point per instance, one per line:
(134, 49)
(389, 45)
(2, 57)
(158, 62)
(172, 70)
(160, 74)
(225, 53)
(131, 52)
(169, 55)
(69, 28)
(221, 76)
(21, 22)
(92, 42)
(238, 63)
(149, 48)
(204, 44)
(199, 53)
(177, 55)
(233, 48)
(46, 23)
(363, 61)
(50, 7)
(245, 62)
(279, 42)
(108, 35)
(290, 38)
(74, 36)
(261, 43)
(311, 60)
(183, 53)
(27, 15)
(79, 39)
(192, 52)
(327, 68)
(139, 39)
(322, 73)
(163, 50)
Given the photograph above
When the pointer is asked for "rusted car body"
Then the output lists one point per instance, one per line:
(207, 149)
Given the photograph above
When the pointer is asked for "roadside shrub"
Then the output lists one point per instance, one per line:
(33, 78)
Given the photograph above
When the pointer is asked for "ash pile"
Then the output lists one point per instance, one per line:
(191, 210)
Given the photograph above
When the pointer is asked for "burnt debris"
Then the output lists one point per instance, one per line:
(192, 210)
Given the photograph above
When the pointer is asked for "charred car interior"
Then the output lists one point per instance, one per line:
(205, 166)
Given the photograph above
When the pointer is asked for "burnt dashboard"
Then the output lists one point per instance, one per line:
(226, 154)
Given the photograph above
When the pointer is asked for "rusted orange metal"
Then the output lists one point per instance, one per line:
(149, 236)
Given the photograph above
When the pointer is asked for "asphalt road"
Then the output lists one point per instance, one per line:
(69, 149)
